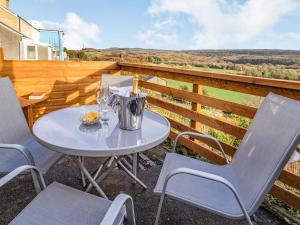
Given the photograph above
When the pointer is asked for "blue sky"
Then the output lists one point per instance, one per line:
(169, 24)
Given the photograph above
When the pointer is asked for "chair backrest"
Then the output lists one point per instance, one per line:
(13, 125)
(266, 148)
(117, 80)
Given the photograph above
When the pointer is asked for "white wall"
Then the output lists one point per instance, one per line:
(10, 42)
(15, 47)
(43, 52)
(35, 35)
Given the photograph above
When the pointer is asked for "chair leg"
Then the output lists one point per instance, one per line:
(130, 212)
(254, 218)
(248, 219)
(162, 197)
(36, 182)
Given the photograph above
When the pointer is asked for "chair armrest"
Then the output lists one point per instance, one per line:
(190, 133)
(24, 151)
(19, 170)
(208, 176)
(117, 205)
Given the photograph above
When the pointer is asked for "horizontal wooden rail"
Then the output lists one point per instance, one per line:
(228, 128)
(205, 152)
(230, 150)
(286, 196)
(243, 84)
(225, 106)
(290, 179)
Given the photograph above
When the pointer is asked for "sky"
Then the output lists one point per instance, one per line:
(168, 24)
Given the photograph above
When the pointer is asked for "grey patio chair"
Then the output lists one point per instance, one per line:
(58, 204)
(17, 145)
(237, 189)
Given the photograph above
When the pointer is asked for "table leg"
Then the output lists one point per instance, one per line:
(132, 175)
(81, 160)
(110, 161)
(90, 178)
(109, 165)
(96, 174)
(134, 164)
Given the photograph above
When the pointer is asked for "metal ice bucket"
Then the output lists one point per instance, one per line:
(130, 111)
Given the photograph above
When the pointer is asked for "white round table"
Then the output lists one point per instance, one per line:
(63, 132)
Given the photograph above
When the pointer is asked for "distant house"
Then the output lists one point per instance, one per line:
(21, 41)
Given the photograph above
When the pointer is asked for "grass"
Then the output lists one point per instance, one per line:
(207, 69)
(222, 94)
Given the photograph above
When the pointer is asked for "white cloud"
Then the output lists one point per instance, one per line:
(36, 24)
(78, 32)
(159, 34)
(227, 23)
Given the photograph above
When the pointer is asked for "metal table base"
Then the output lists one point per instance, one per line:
(104, 170)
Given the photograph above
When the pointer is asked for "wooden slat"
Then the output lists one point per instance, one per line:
(228, 128)
(199, 149)
(225, 106)
(230, 150)
(286, 196)
(290, 179)
(1, 55)
(244, 84)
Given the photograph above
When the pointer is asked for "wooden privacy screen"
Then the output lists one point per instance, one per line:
(249, 85)
(67, 83)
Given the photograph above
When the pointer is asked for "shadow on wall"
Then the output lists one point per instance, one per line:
(5, 70)
(82, 91)
(67, 83)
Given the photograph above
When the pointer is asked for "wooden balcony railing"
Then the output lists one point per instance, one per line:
(243, 84)
(74, 83)
(16, 23)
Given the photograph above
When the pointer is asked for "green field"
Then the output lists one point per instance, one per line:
(222, 94)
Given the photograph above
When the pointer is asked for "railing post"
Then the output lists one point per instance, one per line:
(1, 55)
(1, 60)
(196, 106)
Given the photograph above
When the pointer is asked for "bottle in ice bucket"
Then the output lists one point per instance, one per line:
(135, 85)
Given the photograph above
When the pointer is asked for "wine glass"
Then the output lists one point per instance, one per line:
(99, 98)
(105, 96)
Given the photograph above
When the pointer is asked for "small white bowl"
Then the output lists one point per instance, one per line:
(84, 122)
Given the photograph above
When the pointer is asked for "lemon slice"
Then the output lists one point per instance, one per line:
(91, 118)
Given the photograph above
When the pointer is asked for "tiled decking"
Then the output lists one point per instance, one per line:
(15, 195)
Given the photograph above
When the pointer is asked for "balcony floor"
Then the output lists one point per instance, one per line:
(18, 193)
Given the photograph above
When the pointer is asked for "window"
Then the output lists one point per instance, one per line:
(31, 53)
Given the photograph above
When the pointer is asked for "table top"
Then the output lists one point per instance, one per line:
(63, 132)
